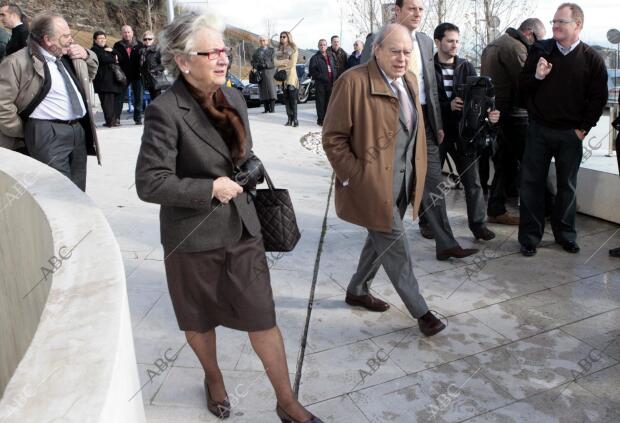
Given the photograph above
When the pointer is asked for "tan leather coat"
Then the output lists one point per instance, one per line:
(359, 134)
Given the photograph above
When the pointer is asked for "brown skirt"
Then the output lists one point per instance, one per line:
(228, 286)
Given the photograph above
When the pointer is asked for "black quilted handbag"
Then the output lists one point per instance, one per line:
(277, 217)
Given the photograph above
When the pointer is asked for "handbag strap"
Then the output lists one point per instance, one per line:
(268, 179)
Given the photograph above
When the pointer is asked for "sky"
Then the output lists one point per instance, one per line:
(324, 18)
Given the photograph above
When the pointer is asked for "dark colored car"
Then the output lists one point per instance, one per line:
(252, 98)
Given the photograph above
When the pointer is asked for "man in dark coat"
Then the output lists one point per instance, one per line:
(502, 61)
(355, 57)
(339, 54)
(564, 84)
(323, 72)
(128, 52)
(12, 16)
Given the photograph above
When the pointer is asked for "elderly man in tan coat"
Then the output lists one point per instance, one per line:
(45, 99)
(374, 138)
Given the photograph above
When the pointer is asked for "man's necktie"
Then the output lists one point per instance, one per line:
(76, 107)
(405, 104)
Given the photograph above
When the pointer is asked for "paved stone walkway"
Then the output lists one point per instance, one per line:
(534, 340)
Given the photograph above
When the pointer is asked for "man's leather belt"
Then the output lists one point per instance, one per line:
(66, 122)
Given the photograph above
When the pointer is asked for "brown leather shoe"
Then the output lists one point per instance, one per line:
(427, 232)
(456, 252)
(430, 325)
(504, 219)
(367, 301)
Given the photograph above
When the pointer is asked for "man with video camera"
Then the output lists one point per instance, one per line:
(452, 74)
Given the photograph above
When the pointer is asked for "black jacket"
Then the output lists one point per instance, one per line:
(318, 67)
(150, 66)
(353, 61)
(574, 93)
(341, 60)
(129, 64)
(462, 70)
(263, 58)
(105, 82)
(19, 39)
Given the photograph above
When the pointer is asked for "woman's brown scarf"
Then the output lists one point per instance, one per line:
(225, 119)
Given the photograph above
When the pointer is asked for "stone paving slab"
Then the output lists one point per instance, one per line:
(519, 329)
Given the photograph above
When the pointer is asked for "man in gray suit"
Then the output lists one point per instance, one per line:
(433, 215)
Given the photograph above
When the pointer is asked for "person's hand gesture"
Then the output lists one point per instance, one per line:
(76, 51)
(493, 116)
(543, 68)
(225, 189)
(456, 104)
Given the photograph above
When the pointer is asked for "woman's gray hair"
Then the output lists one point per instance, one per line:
(178, 37)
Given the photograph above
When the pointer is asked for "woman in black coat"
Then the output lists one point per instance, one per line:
(151, 69)
(105, 83)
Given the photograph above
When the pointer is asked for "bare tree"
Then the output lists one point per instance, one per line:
(366, 15)
(509, 13)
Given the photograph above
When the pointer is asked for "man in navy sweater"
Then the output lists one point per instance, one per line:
(564, 83)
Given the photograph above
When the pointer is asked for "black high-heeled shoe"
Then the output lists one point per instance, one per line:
(221, 410)
(295, 123)
(283, 415)
(289, 122)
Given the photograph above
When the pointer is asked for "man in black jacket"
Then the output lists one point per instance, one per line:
(323, 71)
(11, 16)
(339, 54)
(564, 83)
(451, 72)
(128, 52)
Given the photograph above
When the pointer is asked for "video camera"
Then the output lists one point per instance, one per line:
(478, 96)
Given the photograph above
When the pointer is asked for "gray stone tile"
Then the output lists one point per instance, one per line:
(148, 276)
(449, 393)
(571, 404)
(337, 410)
(536, 364)
(604, 384)
(464, 336)
(151, 380)
(334, 323)
(602, 331)
(449, 292)
(338, 371)
(534, 313)
(246, 390)
(598, 293)
(140, 302)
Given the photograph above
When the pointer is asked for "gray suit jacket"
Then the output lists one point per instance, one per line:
(181, 155)
(430, 83)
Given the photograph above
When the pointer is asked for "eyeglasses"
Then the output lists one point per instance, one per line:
(561, 21)
(147, 39)
(283, 36)
(395, 52)
(211, 54)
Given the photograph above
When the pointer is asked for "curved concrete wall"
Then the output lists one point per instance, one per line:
(66, 347)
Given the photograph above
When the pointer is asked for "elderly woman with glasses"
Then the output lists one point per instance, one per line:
(286, 59)
(195, 135)
(151, 69)
(262, 61)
